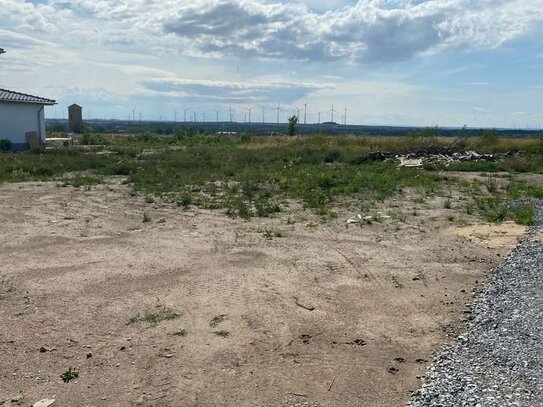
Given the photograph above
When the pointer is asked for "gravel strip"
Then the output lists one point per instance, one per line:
(498, 361)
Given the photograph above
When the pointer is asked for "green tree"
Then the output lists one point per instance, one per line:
(292, 123)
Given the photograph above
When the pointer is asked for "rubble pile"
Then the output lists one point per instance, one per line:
(434, 155)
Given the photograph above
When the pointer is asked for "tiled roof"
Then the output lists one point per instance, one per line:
(16, 97)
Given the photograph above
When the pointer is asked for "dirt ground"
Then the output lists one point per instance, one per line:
(327, 314)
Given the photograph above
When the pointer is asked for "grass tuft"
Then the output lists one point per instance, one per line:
(161, 313)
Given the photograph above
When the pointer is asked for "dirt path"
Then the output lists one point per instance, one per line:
(77, 265)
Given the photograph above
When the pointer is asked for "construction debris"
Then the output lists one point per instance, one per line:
(434, 155)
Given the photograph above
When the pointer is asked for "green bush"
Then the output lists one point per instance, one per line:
(5, 145)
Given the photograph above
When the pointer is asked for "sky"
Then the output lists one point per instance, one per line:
(384, 62)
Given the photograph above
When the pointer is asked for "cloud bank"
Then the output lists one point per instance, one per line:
(233, 92)
(370, 31)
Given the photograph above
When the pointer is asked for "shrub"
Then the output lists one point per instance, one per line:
(5, 145)
(489, 137)
(332, 156)
(524, 214)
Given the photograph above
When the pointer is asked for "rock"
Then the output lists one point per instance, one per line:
(89, 355)
(43, 349)
(43, 403)
(17, 398)
(168, 355)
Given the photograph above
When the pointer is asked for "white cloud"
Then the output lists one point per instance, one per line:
(369, 31)
(233, 92)
(366, 32)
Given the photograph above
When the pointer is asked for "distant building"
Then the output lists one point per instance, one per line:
(22, 119)
(75, 118)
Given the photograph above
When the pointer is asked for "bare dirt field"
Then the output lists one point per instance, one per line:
(286, 311)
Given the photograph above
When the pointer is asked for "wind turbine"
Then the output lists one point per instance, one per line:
(305, 113)
(332, 111)
(133, 115)
(204, 115)
(263, 114)
(194, 116)
(278, 109)
(319, 117)
(231, 113)
(345, 118)
(185, 114)
(249, 109)
(216, 115)
(175, 116)
(298, 113)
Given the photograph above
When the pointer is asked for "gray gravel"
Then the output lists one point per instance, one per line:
(498, 361)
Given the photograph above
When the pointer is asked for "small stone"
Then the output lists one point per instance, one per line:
(17, 398)
(43, 349)
(135, 387)
(89, 355)
(123, 347)
(168, 355)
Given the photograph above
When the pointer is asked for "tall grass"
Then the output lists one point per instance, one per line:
(248, 175)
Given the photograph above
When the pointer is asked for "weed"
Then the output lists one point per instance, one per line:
(491, 184)
(223, 334)
(69, 374)
(146, 217)
(185, 200)
(82, 180)
(447, 204)
(149, 199)
(524, 214)
(162, 313)
(181, 332)
(463, 222)
(397, 215)
(271, 233)
(264, 208)
(215, 321)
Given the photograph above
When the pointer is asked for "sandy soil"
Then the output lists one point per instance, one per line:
(76, 265)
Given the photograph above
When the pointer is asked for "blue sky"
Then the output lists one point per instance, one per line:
(397, 62)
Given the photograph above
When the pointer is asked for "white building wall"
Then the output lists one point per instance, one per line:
(16, 119)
